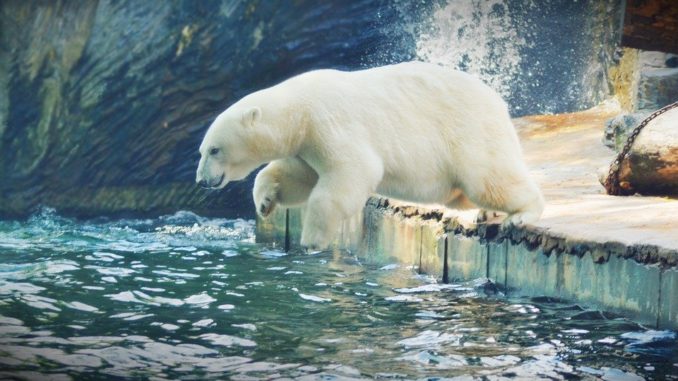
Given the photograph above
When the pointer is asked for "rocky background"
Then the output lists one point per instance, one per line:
(651, 167)
(103, 103)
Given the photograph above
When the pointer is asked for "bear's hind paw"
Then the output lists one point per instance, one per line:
(521, 218)
(314, 241)
(486, 216)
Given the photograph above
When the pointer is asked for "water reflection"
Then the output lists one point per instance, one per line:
(183, 297)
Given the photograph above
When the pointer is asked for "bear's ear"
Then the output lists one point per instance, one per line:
(251, 116)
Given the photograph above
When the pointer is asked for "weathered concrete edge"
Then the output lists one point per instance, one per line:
(635, 281)
(534, 238)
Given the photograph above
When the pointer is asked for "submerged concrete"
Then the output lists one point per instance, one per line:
(618, 254)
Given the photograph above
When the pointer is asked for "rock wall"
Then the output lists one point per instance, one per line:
(103, 103)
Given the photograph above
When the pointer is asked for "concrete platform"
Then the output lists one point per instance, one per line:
(618, 254)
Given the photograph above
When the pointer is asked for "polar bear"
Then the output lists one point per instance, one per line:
(413, 131)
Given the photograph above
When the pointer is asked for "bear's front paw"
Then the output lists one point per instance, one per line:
(265, 197)
(266, 206)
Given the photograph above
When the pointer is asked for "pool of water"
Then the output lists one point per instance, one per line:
(184, 297)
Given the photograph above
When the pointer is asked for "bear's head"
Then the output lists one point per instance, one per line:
(229, 150)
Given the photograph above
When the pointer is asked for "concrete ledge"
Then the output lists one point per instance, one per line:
(603, 277)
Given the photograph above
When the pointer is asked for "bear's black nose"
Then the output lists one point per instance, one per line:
(203, 183)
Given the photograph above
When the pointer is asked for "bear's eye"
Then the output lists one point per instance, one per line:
(214, 151)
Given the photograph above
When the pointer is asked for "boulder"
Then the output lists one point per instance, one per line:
(103, 103)
(651, 167)
(618, 128)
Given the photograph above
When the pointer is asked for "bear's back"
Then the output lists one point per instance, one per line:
(421, 80)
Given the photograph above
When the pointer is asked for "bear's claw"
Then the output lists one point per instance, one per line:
(488, 216)
(521, 218)
(266, 207)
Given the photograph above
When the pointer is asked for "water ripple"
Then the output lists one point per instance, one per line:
(186, 297)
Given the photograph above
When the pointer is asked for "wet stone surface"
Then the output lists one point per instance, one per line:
(184, 297)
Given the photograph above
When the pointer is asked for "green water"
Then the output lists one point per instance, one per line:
(183, 297)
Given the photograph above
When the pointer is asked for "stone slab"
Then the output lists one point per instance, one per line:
(389, 237)
(668, 316)
(496, 258)
(618, 285)
(531, 273)
(466, 258)
(432, 252)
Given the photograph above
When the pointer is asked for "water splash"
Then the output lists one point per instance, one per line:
(543, 57)
(478, 37)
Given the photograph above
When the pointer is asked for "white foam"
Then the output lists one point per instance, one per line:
(203, 323)
(227, 341)
(613, 374)
(575, 331)
(404, 298)
(473, 37)
(81, 306)
(202, 299)
(314, 298)
(392, 266)
(117, 271)
(649, 336)
(427, 338)
(176, 274)
(247, 326)
(427, 288)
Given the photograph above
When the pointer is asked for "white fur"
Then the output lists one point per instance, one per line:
(413, 131)
(288, 182)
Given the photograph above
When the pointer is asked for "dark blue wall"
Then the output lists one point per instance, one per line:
(103, 103)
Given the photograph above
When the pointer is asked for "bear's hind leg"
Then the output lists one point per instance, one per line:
(458, 200)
